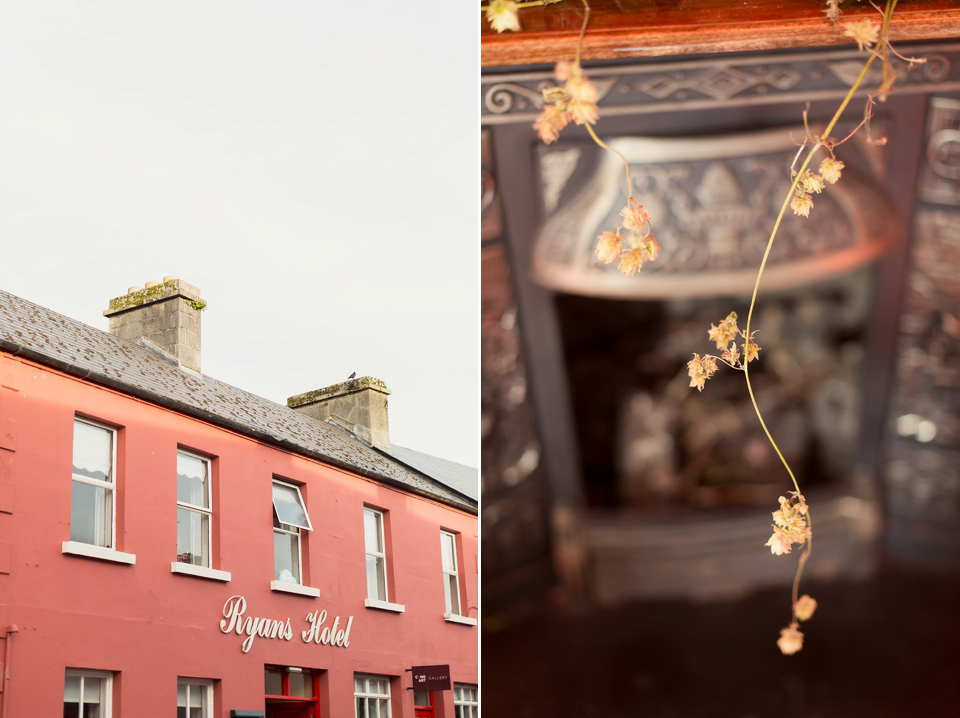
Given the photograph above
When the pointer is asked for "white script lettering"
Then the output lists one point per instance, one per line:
(233, 620)
(329, 635)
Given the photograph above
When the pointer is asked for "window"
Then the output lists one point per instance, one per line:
(465, 701)
(194, 698)
(86, 694)
(289, 518)
(91, 509)
(373, 696)
(193, 509)
(376, 555)
(289, 690)
(451, 582)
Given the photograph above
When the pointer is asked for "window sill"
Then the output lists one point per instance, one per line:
(287, 587)
(384, 605)
(454, 618)
(189, 569)
(76, 548)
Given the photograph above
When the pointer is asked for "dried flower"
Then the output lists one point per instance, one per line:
(801, 203)
(804, 607)
(576, 101)
(550, 122)
(700, 369)
(750, 349)
(631, 260)
(791, 640)
(779, 542)
(634, 215)
(502, 15)
(810, 182)
(727, 332)
(830, 169)
(833, 11)
(564, 70)
(732, 354)
(651, 248)
(609, 246)
(865, 33)
(789, 524)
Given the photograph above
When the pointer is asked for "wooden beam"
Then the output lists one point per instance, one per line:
(644, 28)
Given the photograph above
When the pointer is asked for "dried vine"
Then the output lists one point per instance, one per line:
(575, 99)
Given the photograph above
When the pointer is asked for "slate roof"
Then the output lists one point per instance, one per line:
(42, 335)
(459, 477)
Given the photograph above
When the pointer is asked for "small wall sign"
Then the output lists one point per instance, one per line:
(234, 620)
(431, 678)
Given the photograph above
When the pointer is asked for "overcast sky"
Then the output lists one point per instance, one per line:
(311, 166)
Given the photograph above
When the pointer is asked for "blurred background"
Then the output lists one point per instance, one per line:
(624, 513)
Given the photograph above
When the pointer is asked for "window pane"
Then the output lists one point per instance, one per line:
(289, 508)
(449, 555)
(361, 708)
(90, 514)
(71, 690)
(452, 594)
(92, 687)
(192, 481)
(301, 684)
(421, 698)
(92, 451)
(193, 537)
(371, 531)
(286, 557)
(376, 587)
(181, 694)
(273, 683)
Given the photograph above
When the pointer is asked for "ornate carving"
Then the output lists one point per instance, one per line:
(720, 83)
(514, 519)
(940, 175)
(698, 84)
(714, 201)
(491, 214)
(928, 372)
(555, 169)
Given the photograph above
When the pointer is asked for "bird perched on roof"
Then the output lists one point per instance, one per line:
(351, 380)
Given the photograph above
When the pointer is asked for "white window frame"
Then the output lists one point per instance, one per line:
(375, 601)
(466, 707)
(205, 686)
(106, 697)
(380, 553)
(296, 586)
(109, 485)
(203, 511)
(448, 538)
(366, 695)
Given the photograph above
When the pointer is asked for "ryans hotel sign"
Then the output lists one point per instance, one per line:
(316, 632)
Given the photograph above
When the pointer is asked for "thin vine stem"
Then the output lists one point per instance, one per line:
(887, 14)
(607, 147)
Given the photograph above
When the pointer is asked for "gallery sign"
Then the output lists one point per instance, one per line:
(235, 621)
(431, 678)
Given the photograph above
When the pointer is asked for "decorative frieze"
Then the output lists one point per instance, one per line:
(714, 83)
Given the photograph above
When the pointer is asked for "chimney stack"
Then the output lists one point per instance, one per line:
(359, 405)
(165, 313)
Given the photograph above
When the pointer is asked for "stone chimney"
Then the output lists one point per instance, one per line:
(166, 314)
(359, 405)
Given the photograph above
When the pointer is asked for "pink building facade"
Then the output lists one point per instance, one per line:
(160, 552)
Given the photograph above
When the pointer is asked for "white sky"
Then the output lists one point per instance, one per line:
(311, 166)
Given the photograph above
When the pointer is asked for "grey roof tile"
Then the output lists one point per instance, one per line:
(459, 477)
(82, 350)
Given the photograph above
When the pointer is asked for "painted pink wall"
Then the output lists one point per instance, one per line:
(152, 625)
